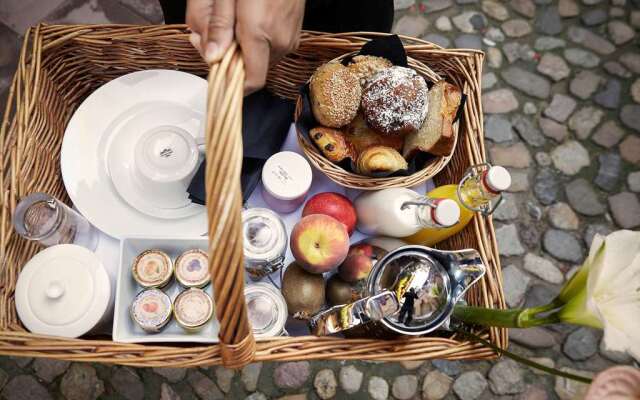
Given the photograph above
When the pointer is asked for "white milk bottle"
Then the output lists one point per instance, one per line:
(400, 212)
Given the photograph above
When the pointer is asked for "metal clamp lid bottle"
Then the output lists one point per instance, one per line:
(493, 179)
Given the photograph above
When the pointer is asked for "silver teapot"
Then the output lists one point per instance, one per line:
(411, 290)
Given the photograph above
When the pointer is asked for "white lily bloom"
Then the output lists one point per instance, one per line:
(611, 297)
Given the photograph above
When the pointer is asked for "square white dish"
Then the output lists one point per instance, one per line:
(124, 328)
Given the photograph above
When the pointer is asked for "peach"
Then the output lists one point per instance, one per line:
(359, 261)
(319, 243)
(334, 205)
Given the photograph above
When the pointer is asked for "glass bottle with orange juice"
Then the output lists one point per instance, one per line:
(480, 190)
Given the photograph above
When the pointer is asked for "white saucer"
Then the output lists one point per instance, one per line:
(120, 160)
(89, 136)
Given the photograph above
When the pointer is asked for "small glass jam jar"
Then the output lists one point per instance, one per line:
(192, 269)
(265, 242)
(286, 179)
(151, 310)
(192, 309)
(267, 310)
(152, 269)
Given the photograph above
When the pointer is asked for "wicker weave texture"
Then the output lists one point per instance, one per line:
(60, 65)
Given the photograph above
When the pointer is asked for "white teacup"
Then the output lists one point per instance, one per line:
(165, 159)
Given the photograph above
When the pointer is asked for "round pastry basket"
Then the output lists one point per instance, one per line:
(353, 180)
(60, 65)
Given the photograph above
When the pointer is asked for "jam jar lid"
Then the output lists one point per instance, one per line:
(286, 175)
(193, 308)
(192, 268)
(266, 308)
(64, 290)
(151, 310)
(421, 285)
(152, 268)
(264, 235)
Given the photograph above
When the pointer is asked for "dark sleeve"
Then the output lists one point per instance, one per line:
(320, 15)
(348, 15)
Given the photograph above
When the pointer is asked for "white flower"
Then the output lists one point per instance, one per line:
(611, 297)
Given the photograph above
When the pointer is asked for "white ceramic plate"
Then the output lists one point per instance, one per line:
(124, 328)
(90, 134)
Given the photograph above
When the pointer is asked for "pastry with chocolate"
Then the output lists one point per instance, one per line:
(332, 143)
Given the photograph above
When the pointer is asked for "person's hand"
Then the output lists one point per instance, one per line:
(266, 30)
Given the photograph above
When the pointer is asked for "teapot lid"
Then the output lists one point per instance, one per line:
(421, 285)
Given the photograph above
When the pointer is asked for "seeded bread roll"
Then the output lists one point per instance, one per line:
(332, 143)
(335, 95)
(380, 160)
(394, 101)
(436, 135)
(366, 66)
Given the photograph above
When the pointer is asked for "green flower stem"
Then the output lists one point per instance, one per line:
(525, 361)
(513, 318)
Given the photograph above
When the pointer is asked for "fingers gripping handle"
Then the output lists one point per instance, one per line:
(224, 207)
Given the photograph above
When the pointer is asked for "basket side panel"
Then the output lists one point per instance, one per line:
(59, 67)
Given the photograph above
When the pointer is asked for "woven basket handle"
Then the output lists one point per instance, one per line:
(224, 207)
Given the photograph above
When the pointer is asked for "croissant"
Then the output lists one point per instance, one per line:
(362, 136)
(332, 143)
(380, 160)
(436, 134)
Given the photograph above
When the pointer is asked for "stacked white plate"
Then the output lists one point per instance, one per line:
(130, 151)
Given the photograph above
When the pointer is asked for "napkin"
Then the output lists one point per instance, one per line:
(265, 122)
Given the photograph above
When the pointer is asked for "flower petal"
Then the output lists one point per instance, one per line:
(620, 250)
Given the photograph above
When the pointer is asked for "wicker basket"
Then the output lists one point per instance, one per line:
(353, 180)
(61, 65)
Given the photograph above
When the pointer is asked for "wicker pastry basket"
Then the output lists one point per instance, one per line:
(60, 65)
(353, 180)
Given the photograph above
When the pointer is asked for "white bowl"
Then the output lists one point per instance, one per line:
(124, 328)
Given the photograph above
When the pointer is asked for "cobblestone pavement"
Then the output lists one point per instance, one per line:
(561, 93)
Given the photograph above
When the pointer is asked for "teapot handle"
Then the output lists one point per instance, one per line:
(346, 316)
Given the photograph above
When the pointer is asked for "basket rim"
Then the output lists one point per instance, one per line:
(356, 181)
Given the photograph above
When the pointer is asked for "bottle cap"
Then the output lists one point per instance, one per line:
(446, 212)
(498, 178)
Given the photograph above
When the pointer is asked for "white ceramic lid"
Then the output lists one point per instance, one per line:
(446, 213)
(498, 178)
(63, 290)
(287, 175)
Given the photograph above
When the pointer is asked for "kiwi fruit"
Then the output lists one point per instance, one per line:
(338, 291)
(303, 291)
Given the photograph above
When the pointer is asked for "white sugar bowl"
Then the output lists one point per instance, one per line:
(64, 290)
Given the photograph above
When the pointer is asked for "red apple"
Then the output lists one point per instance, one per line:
(359, 261)
(334, 205)
(319, 243)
